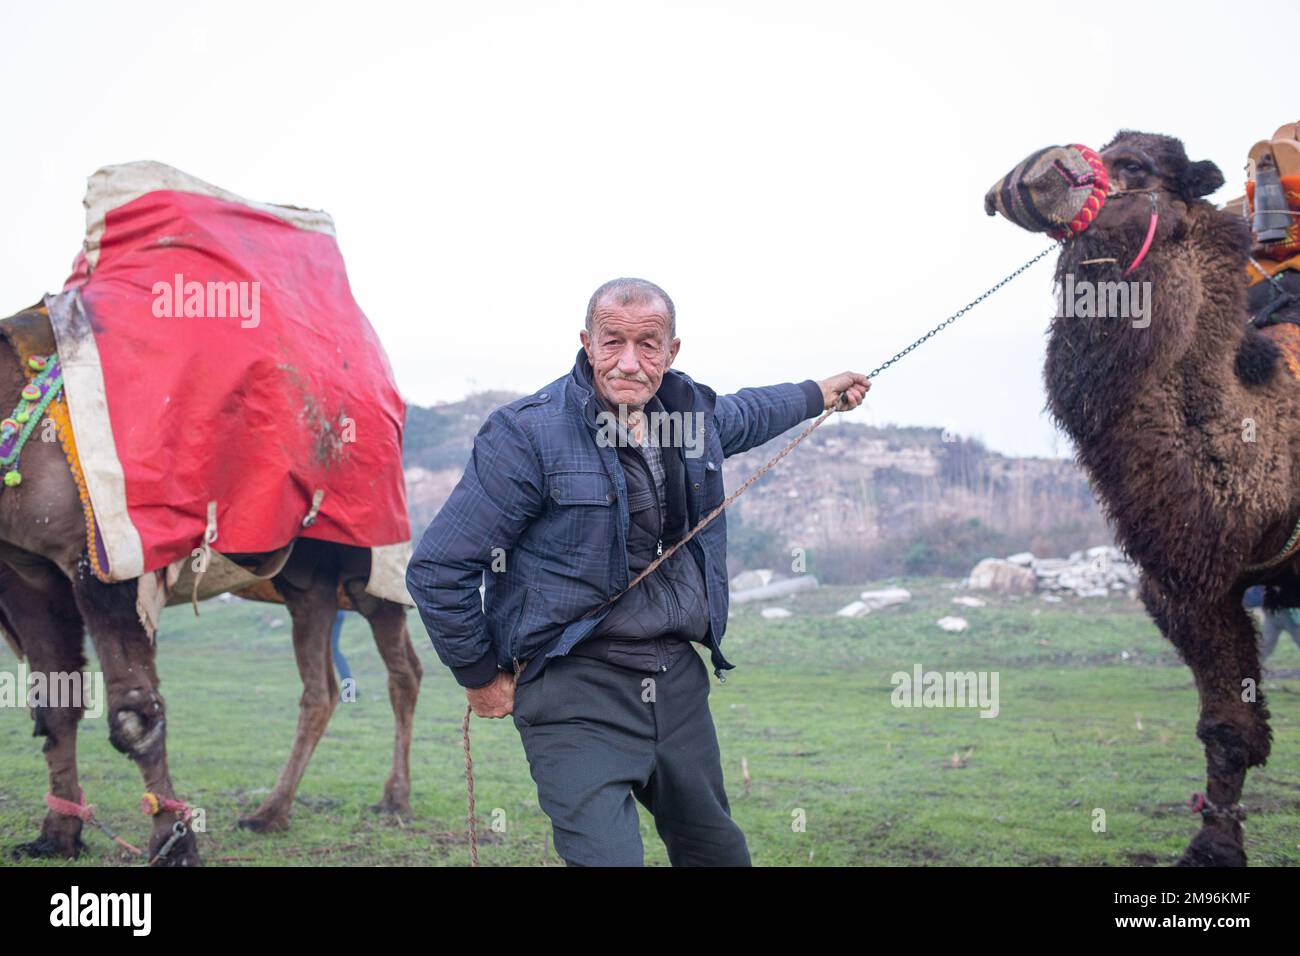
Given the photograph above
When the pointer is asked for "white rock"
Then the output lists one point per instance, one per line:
(994, 574)
(775, 613)
(953, 623)
(779, 588)
(967, 601)
(1024, 559)
(748, 580)
(885, 597)
(1091, 573)
(856, 609)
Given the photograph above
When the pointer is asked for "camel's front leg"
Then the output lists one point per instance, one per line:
(1218, 642)
(312, 608)
(137, 723)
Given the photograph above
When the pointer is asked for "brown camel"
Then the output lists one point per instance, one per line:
(1188, 423)
(49, 598)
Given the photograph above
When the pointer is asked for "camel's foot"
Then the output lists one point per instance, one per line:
(184, 852)
(271, 817)
(1214, 846)
(393, 803)
(60, 839)
(397, 799)
(260, 824)
(52, 846)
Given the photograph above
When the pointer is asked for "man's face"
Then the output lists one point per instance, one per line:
(630, 350)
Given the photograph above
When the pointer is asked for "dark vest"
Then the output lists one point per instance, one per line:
(649, 626)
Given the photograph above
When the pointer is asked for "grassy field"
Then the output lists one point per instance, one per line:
(1096, 713)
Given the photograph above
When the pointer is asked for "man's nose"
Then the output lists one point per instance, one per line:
(628, 361)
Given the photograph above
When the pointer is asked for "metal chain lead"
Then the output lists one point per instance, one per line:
(804, 434)
(960, 312)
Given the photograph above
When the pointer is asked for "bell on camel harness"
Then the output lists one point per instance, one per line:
(34, 398)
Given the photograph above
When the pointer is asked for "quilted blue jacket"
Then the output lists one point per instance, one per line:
(540, 519)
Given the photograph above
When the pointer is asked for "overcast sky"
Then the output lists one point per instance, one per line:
(805, 179)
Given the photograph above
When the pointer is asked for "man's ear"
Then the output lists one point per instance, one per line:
(585, 339)
(1200, 179)
(672, 353)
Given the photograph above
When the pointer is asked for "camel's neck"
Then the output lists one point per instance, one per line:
(1154, 400)
(1181, 324)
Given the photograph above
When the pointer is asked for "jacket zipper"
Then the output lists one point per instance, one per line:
(514, 638)
(673, 610)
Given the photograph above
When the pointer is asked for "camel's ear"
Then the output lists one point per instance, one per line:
(1201, 179)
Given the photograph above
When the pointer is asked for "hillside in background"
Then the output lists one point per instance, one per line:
(858, 502)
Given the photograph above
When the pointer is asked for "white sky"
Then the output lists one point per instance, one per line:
(805, 179)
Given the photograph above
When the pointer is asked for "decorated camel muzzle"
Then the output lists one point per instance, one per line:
(1135, 192)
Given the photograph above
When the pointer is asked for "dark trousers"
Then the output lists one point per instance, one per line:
(597, 735)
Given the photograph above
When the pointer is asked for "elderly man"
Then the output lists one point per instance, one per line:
(569, 493)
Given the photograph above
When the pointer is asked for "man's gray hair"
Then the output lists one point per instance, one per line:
(628, 291)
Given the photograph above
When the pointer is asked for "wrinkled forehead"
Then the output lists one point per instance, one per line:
(640, 300)
(639, 314)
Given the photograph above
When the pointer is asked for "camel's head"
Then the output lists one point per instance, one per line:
(1071, 191)
(1147, 173)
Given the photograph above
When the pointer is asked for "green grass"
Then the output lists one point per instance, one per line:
(1096, 713)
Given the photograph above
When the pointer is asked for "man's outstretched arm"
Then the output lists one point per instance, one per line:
(753, 416)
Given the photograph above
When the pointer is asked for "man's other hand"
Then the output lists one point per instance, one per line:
(496, 699)
(854, 386)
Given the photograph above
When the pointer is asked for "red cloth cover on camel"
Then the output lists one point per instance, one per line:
(213, 352)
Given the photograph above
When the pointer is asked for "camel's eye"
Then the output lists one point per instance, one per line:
(1131, 166)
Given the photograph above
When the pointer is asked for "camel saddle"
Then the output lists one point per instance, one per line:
(225, 389)
(30, 335)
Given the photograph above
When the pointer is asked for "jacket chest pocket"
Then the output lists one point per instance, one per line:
(581, 510)
(706, 485)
